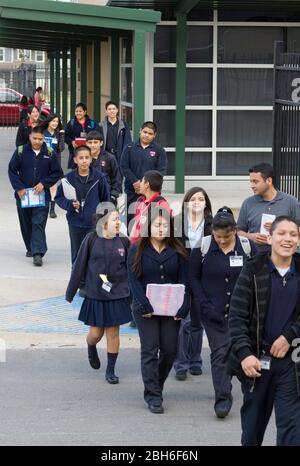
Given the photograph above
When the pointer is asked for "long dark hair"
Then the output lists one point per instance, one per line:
(188, 196)
(170, 240)
(51, 117)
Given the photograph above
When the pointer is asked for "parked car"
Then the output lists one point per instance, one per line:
(9, 106)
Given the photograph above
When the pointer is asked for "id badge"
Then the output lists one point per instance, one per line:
(236, 261)
(83, 134)
(54, 141)
(107, 287)
(265, 363)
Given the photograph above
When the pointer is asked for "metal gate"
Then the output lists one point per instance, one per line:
(286, 120)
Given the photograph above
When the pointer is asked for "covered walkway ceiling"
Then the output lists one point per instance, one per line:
(48, 25)
(291, 5)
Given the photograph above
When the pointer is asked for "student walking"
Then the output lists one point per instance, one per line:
(139, 157)
(54, 138)
(78, 128)
(158, 258)
(214, 270)
(34, 166)
(91, 189)
(25, 127)
(116, 133)
(101, 263)
(263, 324)
(106, 163)
(191, 225)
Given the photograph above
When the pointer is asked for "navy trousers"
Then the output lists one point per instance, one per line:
(159, 336)
(33, 224)
(276, 388)
(77, 235)
(189, 346)
(218, 340)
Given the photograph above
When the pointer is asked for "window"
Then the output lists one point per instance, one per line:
(39, 56)
(2, 55)
(238, 163)
(23, 54)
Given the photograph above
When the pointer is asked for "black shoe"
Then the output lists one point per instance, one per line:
(93, 357)
(38, 260)
(112, 378)
(132, 324)
(222, 408)
(156, 409)
(181, 375)
(28, 254)
(195, 371)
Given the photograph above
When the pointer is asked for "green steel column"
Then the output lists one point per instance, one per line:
(65, 87)
(97, 79)
(83, 73)
(115, 68)
(57, 82)
(139, 81)
(181, 45)
(52, 81)
(73, 79)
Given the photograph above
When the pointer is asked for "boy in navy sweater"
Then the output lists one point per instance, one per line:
(106, 163)
(34, 166)
(91, 189)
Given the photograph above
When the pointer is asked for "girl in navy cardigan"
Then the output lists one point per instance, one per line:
(159, 258)
(102, 261)
(213, 274)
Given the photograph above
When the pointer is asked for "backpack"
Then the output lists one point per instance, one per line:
(206, 242)
(21, 150)
(92, 239)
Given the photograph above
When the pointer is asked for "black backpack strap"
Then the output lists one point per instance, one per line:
(159, 198)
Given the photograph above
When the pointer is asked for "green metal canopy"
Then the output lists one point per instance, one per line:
(209, 4)
(48, 25)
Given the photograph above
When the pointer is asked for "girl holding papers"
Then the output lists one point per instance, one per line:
(158, 259)
(214, 270)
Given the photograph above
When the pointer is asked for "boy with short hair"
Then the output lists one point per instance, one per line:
(91, 189)
(150, 189)
(105, 163)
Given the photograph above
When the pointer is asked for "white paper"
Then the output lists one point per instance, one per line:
(266, 218)
(69, 190)
(165, 299)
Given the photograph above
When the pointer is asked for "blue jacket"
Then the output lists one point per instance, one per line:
(73, 130)
(97, 191)
(26, 169)
(167, 267)
(136, 160)
(124, 136)
(212, 281)
(103, 257)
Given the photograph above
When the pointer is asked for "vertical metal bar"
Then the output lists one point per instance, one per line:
(97, 79)
(57, 82)
(52, 82)
(181, 46)
(115, 68)
(65, 87)
(139, 81)
(83, 73)
(73, 84)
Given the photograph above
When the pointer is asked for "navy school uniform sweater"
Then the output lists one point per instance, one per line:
(123, 136)
(106, 256)
(90, 192)
(167, 267)
(136, 160)
(108, 165)
(27, 169)
(212, 280)
(73, 130)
